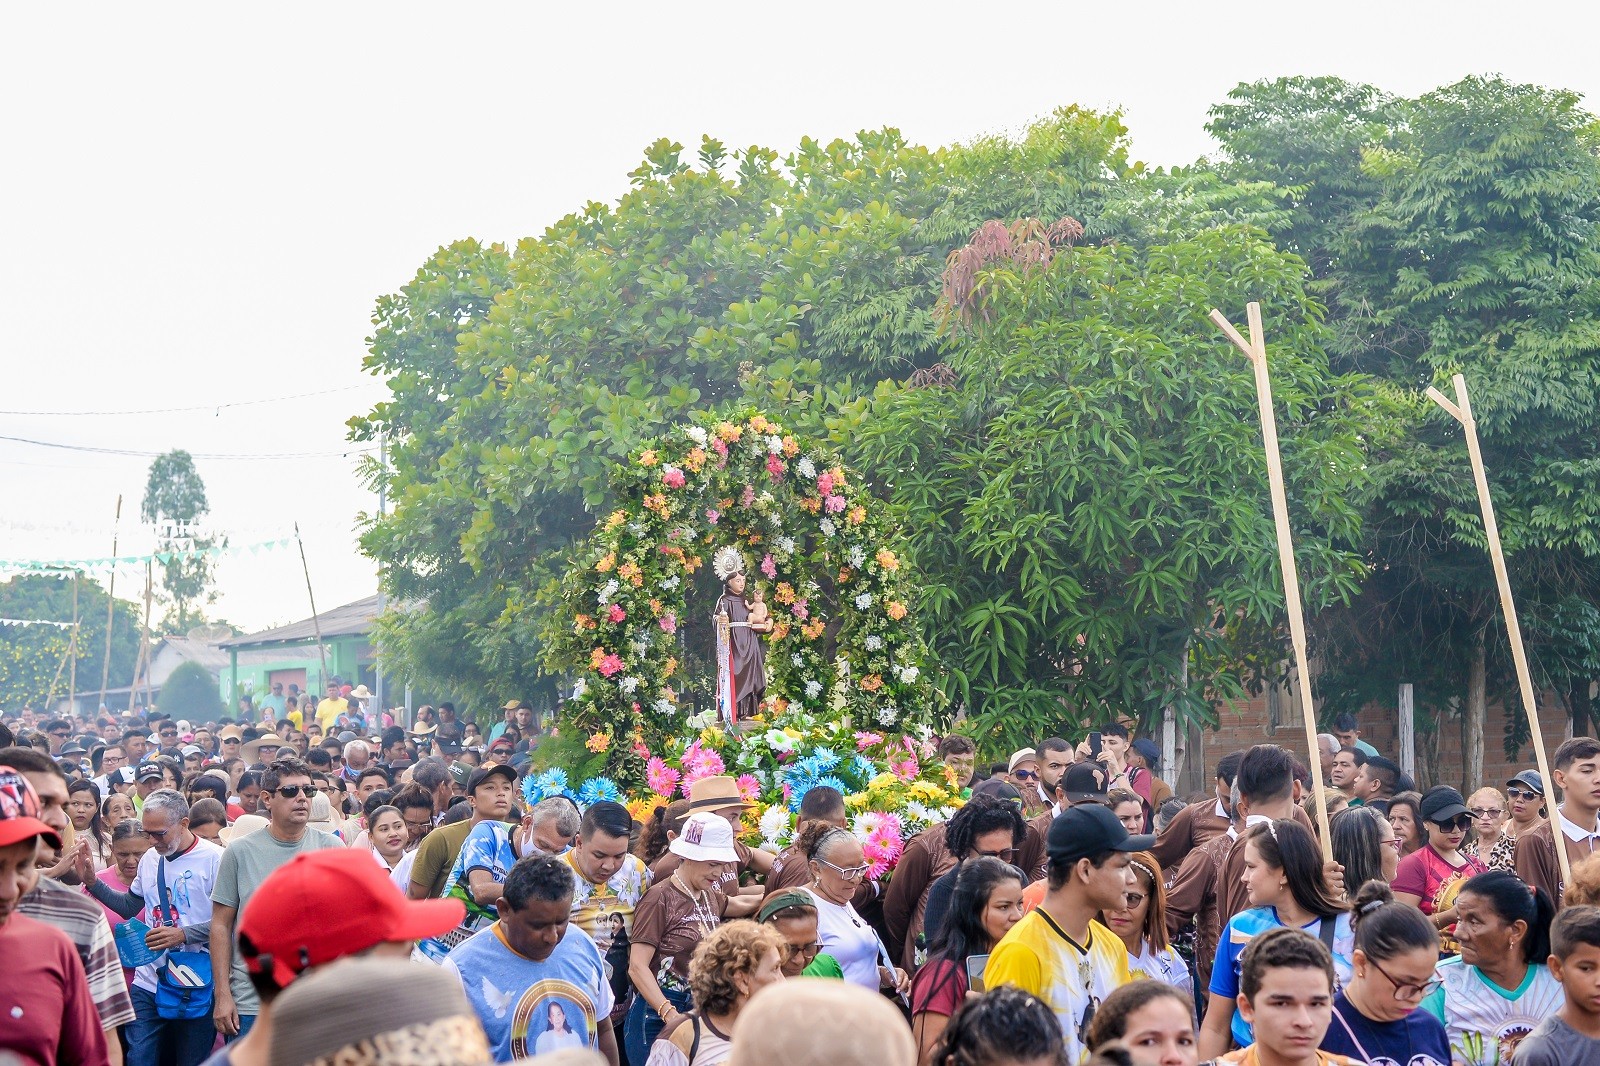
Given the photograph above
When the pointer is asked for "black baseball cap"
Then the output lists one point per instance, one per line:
(483, 773)
(1084, 781)
(1442, 804)
(149, 772)
(1090, 829)
(1529, 779)
(72, 747)
(448, 746)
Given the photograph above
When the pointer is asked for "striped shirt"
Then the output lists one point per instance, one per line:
(84, 922)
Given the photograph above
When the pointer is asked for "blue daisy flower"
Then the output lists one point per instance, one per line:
(597, 790)
(826, 759)
(863, 768)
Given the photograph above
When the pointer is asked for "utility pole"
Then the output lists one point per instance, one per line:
(383, 499)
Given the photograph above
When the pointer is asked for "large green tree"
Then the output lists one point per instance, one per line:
(175, 503)
(1455, 233)
(1086, 491)
(519, 377)
(33, 657)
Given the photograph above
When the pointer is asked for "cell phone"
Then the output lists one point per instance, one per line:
(975, 967)
(1094, 744)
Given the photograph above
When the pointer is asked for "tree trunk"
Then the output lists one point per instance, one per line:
(1582, 708)
(1477, 713)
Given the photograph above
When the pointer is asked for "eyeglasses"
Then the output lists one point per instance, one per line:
(1487, 812)
(1004, 854)
(802, 951)
(291, 791)
(1026, 775)
(157, 834)
(1392, 842)
(1462, 822)
(1134, 899)
(1519, 794)
(62, 734)
(1406, 990)
(853, 873)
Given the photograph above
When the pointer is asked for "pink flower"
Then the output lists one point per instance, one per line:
(712, 515)
(905, 770)
(883, 844)
(834, 504)
(774, 468)
(616, 614)
(669, 623)
(662, 778)
(800, 611)
(749, 788)
(672, 478)
(640, 750)
(704, 764)
(867, 740)
(748, 496)
(611, 664)
(768, 567)
(719, 446)
(825, 482)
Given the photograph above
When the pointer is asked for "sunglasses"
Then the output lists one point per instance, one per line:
(802, 951)
(230, 740)
(1026, 775)
(1487, 812)
(291, 791)
(1462, 822)
(1519, 794)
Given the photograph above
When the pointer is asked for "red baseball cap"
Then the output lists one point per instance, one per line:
(324, 905)
(19, 812)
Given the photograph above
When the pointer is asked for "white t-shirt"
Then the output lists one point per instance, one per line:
(401, 873)
(846, 936)
(190, 877)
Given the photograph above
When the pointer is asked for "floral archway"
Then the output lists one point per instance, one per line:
(844, 642)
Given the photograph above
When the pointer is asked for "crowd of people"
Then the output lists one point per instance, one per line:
(310, 883)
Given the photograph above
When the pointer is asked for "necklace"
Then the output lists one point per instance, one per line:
(703, 914)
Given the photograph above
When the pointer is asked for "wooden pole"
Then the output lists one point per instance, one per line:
(1256, 350)
(144, 645)
(1461, 411)
(316, 623)
(72, 682)
(1408, 731)
(111, 600)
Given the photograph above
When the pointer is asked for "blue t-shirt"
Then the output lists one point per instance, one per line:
(1246, 925)
(530, 1008)
(1418, 1039)
(487, 847)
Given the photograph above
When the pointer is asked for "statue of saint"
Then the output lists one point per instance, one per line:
(741, 655)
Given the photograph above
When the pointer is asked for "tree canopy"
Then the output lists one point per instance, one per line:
(174, 502)
(33, 657)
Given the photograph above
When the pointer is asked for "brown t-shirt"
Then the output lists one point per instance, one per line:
(1190, 828)
(1193, 894)
(789, 870)
(727, 879)
(926, 859)
(1536, 858)
(672, 924)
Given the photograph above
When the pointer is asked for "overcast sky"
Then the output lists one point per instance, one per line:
(199, 203)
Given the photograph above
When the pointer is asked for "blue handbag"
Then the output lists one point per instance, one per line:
(183, 978)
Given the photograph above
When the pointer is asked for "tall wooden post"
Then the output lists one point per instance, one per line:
(316, 622)
(111, 601)
(1461, 411)
(1256, 350)
(72, 651)
(1408, 731)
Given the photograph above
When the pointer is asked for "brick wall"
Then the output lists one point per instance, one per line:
(1252, 722)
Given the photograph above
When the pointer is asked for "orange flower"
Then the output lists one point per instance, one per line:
(695, 459)
(627, 571)
(838, 476)
(813, 630)
(597, 743)
(596, 657)
(871, 683)
(582, 622)
(729, 432)
(784, 593)
(856, 515)
(896, 610)
(616, 519)
(844, 575)
(813, 504)
(607, 561)
(655, 606)
(759, 423)
(887, 560)
(658, 503)
(780, 630)
(648, 457)
(692, 563)
(670, 668)
(791, 447)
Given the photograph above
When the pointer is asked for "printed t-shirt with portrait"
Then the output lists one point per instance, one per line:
(1038, 956)
(487, 847)
(190, 878)
(673, 924)
(1429, 875)
(595, 908)
(1244, 927)
(530, 1008)
(1418, 1039)
(1485, 1022)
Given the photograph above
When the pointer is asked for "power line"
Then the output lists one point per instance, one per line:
(218, 408)
(193, 455)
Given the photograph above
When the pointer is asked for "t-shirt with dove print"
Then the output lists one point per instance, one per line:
(528, 1007)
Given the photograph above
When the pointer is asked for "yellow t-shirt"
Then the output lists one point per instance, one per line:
(1038, 956)
(327, 711)
(296, 719)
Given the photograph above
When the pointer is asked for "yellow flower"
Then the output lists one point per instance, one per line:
(648, 457)
(882, 782)
(857, 801)
(856, 515)
(695, 459)
(616, 519)
(710, 737)
(670, 669)
(607, 561)
(759, 423)
(887, 560)
(598, 742)
(791, 447)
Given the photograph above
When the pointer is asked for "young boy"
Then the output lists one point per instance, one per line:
(1577, 770)
(1286, 994)
(1573, 1035)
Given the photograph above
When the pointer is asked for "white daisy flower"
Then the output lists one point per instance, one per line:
(805, 467)
(863, 601)
(628, 684)
(813, 689)
(697, 434)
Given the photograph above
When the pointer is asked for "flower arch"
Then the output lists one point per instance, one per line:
(844, 641)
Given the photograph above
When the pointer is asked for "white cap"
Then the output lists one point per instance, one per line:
(1020, 754)
(706, 836)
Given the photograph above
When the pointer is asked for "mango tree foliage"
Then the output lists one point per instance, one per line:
(1087, 496)
(1455, 233)
(520, 377)
(31, 657)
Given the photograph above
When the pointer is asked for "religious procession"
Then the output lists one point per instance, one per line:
(1120, 591)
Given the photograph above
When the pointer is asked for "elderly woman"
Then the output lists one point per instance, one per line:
(837, 866)
(1489, 842)
(728, 967)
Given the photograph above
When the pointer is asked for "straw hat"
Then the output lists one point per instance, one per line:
(715, 794)
(360, 693)
(243, 826)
